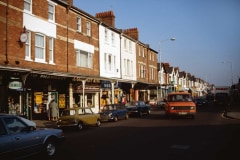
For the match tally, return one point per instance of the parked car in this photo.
(19, 138)
(138, 108)
(114, 112)
(200, 101)
(180, 104)
(78, 117)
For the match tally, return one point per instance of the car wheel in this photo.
(98, 124)
(126, 116)
(80, 126)
(115, 118)
(50, 147)
(148, 112)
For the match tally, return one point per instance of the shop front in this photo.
(111, 93)
(13, 92)
(86, 94)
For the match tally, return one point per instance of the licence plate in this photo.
(182, 113)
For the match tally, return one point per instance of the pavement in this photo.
(234, 113)
(45, 124)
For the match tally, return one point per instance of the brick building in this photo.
(50, 49)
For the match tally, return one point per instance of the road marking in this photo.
(178, 146)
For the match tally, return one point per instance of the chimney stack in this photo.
(107, 18)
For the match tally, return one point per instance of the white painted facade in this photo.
(128, 59)
(109, 53)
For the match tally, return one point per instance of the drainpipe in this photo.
(68, 8)
(6, 47)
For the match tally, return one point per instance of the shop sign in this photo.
(107, 84)
(15, 85)
(87, 89)
(61, 101)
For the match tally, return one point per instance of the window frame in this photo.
(89, 59)
(79, 24)
(88, 28)
(51, 12)
(29, 3)
(43, 48)
(28, 47)
(51, 50)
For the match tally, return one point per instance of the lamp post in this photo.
(159, 60)
(231, 66)
(171, 39)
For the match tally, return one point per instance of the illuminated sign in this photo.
(15, 85)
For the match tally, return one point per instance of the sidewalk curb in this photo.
(231, 115)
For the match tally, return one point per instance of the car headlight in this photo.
(192, 107)
(172, 108)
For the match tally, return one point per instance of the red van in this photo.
(180, 104)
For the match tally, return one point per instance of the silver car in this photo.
(19, 138)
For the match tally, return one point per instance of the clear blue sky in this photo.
(207, 32)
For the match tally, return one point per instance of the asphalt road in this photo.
(210, 137)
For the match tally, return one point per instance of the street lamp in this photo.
(171, 39)
(159, 60)
(231, 65)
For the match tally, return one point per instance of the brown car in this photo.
(78, 117)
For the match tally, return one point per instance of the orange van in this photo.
(180, 104)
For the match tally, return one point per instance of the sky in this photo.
(207, 32)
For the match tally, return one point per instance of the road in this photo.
(210, 136)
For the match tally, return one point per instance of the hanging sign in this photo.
(15, 85)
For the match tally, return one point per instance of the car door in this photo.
(6, 144)
(121, 111)
(24, 141)
(89, 117)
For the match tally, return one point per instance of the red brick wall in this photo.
(40, 9)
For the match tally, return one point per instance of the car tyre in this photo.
(80, 126)
(50, 148)
(115, 118)
(98, 124)
(148, 112)
(126, 116)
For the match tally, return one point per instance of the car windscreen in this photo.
(179, 98)
(109, 107)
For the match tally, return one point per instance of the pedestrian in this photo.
(53, 110)
(49, 112)
(227, 103)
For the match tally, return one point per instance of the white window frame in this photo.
(28, 47)
(51, 50)
(87, 62)
(51, 13)
(79, 24)
(130, 46)
(109, 62)
(139, 51)
(106, 34)
(40, 49)
(88, 28)
(125, 44)
(105, 61)
(28, 5)
(113, 38)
